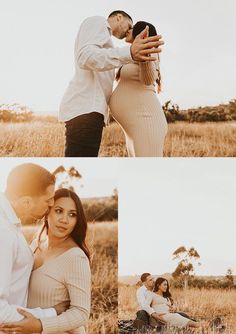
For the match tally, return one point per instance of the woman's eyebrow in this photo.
(70, 210)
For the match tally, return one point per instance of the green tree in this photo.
(229, 276)
(185, 267)
(67, 177)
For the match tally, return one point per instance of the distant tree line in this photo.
(101, 209)
(15, 113)
(222, 113)
(199, 283)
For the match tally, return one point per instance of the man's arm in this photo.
(91, 54)
(90, 48)
(145, 300)
(8, 253)
(145, 303)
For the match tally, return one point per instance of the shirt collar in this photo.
(7, 209)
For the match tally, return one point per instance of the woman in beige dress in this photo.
(135, 106)
(162, 303)
(61, 270)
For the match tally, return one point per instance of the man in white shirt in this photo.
(29, 195)
(85, 102)
(145, 310)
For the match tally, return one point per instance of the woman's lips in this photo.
(61, 228)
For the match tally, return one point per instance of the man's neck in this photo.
(148, 288)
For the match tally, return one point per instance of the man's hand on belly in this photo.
(28, 325)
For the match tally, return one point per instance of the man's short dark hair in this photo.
(28, 180)
(122, 13)
(144, 276)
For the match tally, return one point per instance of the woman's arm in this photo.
(78, 283)
(148, 72)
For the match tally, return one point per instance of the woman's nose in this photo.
(64, 218)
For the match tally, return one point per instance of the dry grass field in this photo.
(42, 139)
(200, 304)
(102, 239)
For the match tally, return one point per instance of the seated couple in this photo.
(156, 306)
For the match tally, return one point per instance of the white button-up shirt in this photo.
(16, 262)
(142, 294)
(95, 61)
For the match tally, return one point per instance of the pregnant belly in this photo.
(129, 102)
(161, 308)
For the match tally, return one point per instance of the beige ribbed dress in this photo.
(162, 305)
(136, 108)
(66, 277)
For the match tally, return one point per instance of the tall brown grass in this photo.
(200, 304)
(102, 240)
(46, 139)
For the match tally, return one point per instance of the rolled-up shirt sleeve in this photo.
(91, 52)
(8, 253)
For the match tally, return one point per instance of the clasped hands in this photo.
(144, 47)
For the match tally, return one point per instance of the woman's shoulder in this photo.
(75, 260)
(75, 253)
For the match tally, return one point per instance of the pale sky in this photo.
(37, 41)
(168, 203)
(98, 178)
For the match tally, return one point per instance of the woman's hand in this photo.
(143, 46)
(28, 325)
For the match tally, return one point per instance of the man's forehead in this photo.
(50, 191)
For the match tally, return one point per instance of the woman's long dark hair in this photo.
(137, 29)
(166, 294)
(79, 232)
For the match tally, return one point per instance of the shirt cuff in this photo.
(125, 54)
(49, 312)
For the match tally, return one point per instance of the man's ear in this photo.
(119, 17)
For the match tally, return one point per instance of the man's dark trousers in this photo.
(83, 135)
(144, 316)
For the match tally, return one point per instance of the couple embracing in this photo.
(46, 287)
(157, 308)
(133, 104)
